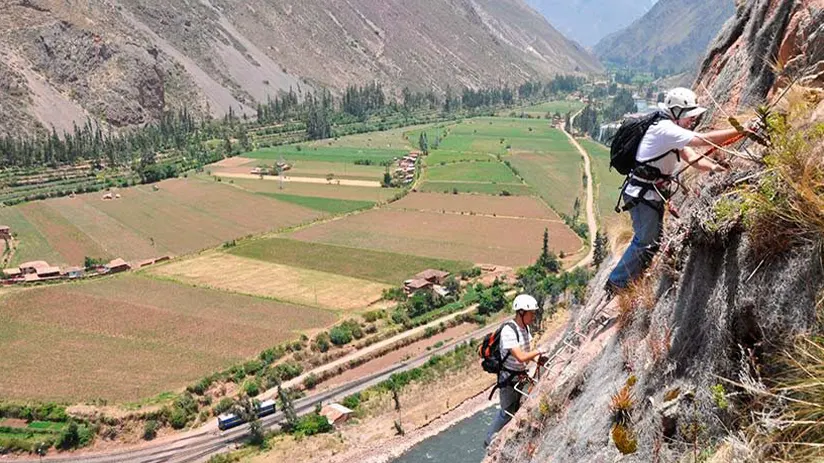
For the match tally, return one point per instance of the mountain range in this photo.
(125, 61)
(588, 21)
(672, 36)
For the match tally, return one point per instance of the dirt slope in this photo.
(125, 61)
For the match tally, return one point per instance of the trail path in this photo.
(591, 222)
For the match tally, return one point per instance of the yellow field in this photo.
(290, 284)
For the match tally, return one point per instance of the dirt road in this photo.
(592, 223)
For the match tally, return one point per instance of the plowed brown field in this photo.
(504, 206)
(480, 239)
(130, 337)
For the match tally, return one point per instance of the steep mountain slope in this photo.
(124, 61)
(588, 21)
(672, 36)
(715, 355)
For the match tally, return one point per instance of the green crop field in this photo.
(128, 337)
(608, 184)
(384, 267)
(482, 188)
(551, 107)
(404, 138)
(478, 172)
(326, 154)
(449, 156)
(334, 206)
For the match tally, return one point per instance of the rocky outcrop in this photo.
(766, 45)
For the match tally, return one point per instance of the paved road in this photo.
(592, 223)
(200, 444)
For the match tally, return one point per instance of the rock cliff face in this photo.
(766, 45)
(125, 61)
(682, 356)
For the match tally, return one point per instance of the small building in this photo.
(259, 171)
(415, 285)
(72, 273)
(108, 197)
(5, 232)
(116, 266)
(143, 263)
(162, 259)
(33, 267)
(336, 413)
(48, 272)
(433, 276)
(31, 278)
(440, 290)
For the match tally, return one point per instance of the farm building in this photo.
(336, 413)
(436, 277)
(415, 285)
(5, 232)
(162, 259)
(48, 272)
(116, 266)
(143, 263)
(440, 290)
(72, 272)
(33, 267)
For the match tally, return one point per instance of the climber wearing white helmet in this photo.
(515, 340)
(665, 144)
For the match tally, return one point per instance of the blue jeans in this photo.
(647, 224)
(511, 402)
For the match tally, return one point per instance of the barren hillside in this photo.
(125, 61)
(672, 36)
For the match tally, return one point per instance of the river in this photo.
(461, 443)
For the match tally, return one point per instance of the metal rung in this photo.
(510, 414)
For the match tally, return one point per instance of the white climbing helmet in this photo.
(525, 302)
(681, 103)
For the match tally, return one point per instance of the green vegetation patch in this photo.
(383, 267)
(482, 188)
(607, 184)
(335, 206)
(558, 178)
(327, 154)
(449, 156)
(483, 172)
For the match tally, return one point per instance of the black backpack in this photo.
(624, 145)
(490, 350)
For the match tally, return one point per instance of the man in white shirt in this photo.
(514, 345)
(665, 145)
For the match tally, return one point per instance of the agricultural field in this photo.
(128, 337)
(513, 206)
(350, 193)
(175, 217)
(479, 239)
(295, 153)
(365, 264)
(332, 206)
(480, 188)
(608, 184)
(551, 107)
(539, 153)
(394, 139)
(304, 168)
(260, 278)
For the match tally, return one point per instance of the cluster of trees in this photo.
(558, 85)
(473, 99)
(281, 108)
(362, 101)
